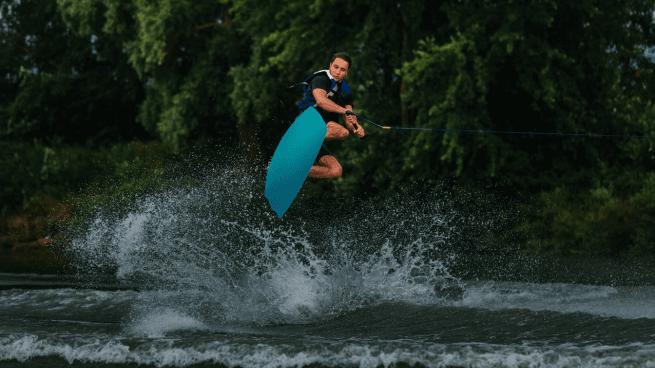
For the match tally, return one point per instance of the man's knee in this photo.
(336, 170)
(337, 131)
(333, 165)
(342, 132)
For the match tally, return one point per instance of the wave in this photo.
(361, 354)
(605, 301)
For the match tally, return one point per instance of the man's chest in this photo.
(339, 96)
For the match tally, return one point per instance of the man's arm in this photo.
(324, 102)
(351, 123)
(350, 119)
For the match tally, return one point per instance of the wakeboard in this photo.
(293, 159)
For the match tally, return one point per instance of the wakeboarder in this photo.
(331, 96)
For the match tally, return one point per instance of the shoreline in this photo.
(28, 257)
(35, 257)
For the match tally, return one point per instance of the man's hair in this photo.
(344, 56)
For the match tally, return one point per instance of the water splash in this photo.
(214, 252)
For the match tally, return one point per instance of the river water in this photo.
(206, 275)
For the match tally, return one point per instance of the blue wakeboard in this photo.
(293, 159)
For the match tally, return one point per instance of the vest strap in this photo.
(332, 94)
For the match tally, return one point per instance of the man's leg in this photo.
(328, 168)
(336, 131)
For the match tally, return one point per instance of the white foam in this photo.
(296, 292)
(622, 302)
(158, 323)
(23, 348)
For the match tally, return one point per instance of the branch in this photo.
(207, 25)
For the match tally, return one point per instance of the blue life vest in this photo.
(333, 94)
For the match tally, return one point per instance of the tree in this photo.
(182, 50)
(292, 39)
(527, 66)
(60, 88)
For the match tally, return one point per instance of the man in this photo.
(330, 95)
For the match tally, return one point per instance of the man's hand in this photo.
(351, 122)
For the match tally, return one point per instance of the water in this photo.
(206, 275)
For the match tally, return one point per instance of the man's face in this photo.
(339, 69)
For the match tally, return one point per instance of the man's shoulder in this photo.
(345, 87)
(321, 81)
(322, 74)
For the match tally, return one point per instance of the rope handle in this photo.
(348, 112)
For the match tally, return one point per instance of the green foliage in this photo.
(541, 67)
(135, 172)
(183, 71)
(28, 172)
(513, 66)
(598, 225)
(147, 26)
(459, 103)
(292, 39)
(56, 89)
(24, 116)
(104, 63)
(288, 43)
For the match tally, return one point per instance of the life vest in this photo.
(333, 94)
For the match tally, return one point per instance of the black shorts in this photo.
(323, 151)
